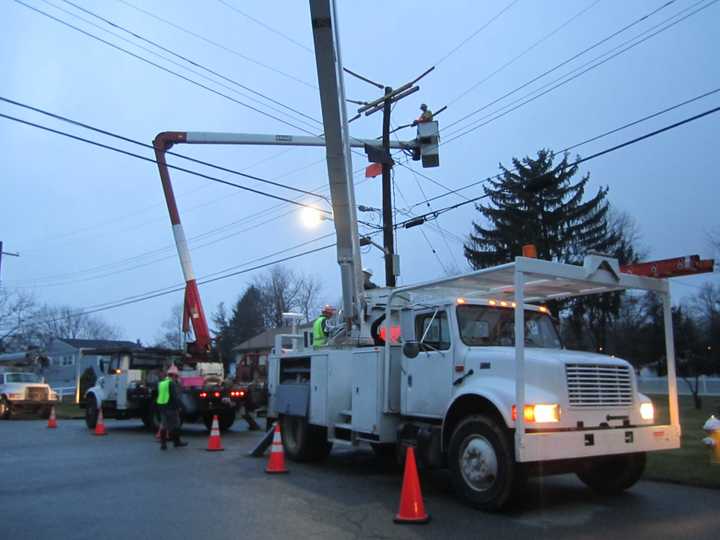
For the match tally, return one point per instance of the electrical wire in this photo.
(216, 44)
(523, 53)
(161, 67)
(266, 27)
(476, 124)
(180, 56)
(476, 32)
(565, 62)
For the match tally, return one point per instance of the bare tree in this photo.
(16, 312)
(309, 296)
(50, 322)
(171, 335)
(283, 290)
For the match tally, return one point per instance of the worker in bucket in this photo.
(425, 116)
(321, 327)
(168, 402)
(367, 279)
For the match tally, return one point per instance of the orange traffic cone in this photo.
(52, 422)
(214, 444)
(412, 509)
(276, 463)
(100, 425)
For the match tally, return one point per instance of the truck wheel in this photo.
(614, 474)
(482, 465)
(91, 412)
(225, 420)
(5, 409)
(303, 442)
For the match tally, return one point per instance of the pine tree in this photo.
(246, 321)
(556, 218)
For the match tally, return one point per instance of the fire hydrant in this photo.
(712, 427)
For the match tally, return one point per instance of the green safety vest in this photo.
(163, 392)
(319, 337)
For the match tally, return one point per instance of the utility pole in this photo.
(388, 233)
(5, 253)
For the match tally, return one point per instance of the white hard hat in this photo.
(172, 370)
(367, 271)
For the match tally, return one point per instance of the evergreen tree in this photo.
(245, 321)
(555, 218)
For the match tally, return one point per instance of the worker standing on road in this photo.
(168, 401)
(321, 328)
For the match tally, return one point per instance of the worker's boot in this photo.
(176, 440)
(163, 439)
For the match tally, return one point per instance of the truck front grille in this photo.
(598, 385)
(36, 393)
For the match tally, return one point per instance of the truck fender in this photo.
(94, 393)
(472, 401)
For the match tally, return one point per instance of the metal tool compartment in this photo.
(368, 419)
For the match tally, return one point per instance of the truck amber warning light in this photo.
(540, 414)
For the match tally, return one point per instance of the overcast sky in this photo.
(92, 227)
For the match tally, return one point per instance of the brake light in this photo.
(216, 394)
(203, 395)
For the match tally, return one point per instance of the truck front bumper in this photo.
(548, 446)
(33, 402)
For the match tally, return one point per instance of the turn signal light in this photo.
(539, 414)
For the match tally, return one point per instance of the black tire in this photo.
(225, 420)
(91, 412)
(303, 442)
(614, 474)
(385, 450)
(45, 412)
(5, 409)
(148, 420)
(482, 463)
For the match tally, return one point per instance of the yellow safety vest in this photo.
(163, 392)
(319, 337)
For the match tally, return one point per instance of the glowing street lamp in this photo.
(312, 217)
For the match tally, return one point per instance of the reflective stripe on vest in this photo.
(163, 392)
(319, 337)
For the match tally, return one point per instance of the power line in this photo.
(586, 141)
(476, 32)
(433, 214)
(151, 147)
(184, 58)
(476, 124)
(175, 167)
(523, 53)
(161, 67)
(216, 44)
(558, 66)
(266, 27)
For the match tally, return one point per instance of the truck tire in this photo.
(5, 409)
(303, 442)
(613, 475)
(225, 420)
(482, 463)
(91, 412)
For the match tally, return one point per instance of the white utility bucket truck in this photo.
(470, 369)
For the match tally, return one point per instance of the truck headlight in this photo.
(647, 411)
(15, 396)
(540, 414)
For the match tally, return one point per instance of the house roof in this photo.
(99, 343)
(266, 340)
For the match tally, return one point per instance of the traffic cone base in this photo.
(412, 509)
(100, 425)
(52, 421)
(276, 463)
(214, 443)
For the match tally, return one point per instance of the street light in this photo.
(312, 217)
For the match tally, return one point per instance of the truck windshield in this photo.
(495, 326)
(22, 378)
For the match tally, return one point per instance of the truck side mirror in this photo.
(103, 366)
(411, 349)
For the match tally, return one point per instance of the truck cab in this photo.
(25, 391)
(473, 374)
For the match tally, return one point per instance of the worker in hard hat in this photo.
(321, 327)
(367, 279)
(425, 116)
(168, 401)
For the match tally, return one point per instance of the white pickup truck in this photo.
(476, 378)
(25, 391)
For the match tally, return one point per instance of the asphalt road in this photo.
(66, 483)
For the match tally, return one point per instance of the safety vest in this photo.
(163, 392)
(319, 337)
